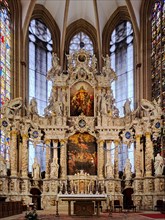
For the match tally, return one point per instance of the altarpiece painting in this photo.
(82, 154)
(81, 99)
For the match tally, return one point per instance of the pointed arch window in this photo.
(81, 40)
(121, 53)
(122, 61)
(40, 61)
(5, 67)
(40, 55)
(158, 50)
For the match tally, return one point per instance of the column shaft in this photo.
(100, 159)
(24, 155)
(13, 153)
(138, 157)
(148, 155)
(47, 174)
(63, 159)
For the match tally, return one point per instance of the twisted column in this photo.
(24, 155)
(148, 154)
(47, 174)
(138, 156)
(13, 153)
(63, 158)
(100, 157)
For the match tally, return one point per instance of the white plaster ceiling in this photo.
(85, 9)
(96, 12)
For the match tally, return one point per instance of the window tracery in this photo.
(81, 40)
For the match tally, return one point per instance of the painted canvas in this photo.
(82, 154)
(81, 99)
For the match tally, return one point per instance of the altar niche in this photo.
(82, 99)
(82, 154)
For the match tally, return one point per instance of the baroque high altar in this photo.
(77, 130)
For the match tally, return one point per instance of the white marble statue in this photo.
(159, 165)
(94, 62)
(54, 168)
(127, 169)
(36, 170)
(103, 103)
(55, 60)
(32, 107)
(56, 68)
(107, 61)
(127, 108)
(99, 97)
(3, 167)
(109, 170)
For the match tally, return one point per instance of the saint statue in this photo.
(32, 108)
(55, 60)
(107, 61)
(103, 103)
(36, 174)
(159, 165)
(127, 108)
(54, 168)
(127, 169)
(109, 170)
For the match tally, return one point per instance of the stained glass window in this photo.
(5, 67)
(158, 50)
(40, 56)
(81, 40)
(121, 53)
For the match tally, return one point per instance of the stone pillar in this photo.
(116, 160)
(13, 153)
(138, 157)
(55, 145)
(100, 159)
(24, 155)
(47, 174)
(108, 152)
(148, 155)
(63, 158)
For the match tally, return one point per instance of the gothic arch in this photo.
(78, 26)
(41, 12)
(121, 14)
(146, 47)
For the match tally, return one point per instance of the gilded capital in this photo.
(47, 141)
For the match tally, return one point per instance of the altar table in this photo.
(80, 197)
